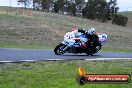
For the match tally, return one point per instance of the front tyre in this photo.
(58, 49)
(98, 48)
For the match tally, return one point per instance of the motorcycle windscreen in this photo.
(103, 38)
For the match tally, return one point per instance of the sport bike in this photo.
(73, 44)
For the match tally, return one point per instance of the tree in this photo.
(59, 5)
(45, 4)
(92, 9)
(120, 20)
(113, 7)
(71, 8)
(100, 10)
(42, 4)
(26, 3)
(84, 12)
(80, 4)
(36, 4)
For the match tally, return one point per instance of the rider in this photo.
(92, 38)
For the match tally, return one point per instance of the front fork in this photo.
(65, 47)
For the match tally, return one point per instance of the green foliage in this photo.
(89, 11)
(26, 3)
(42, 4)
(71, 8)
(59, 5)
(100, 9)
(45, 4)
(60, 74)
(36, 4)
(113, 7)
(80, 5)
(120, 20)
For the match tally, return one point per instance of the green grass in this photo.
(25, 46)
(44, 30)
(115, 50)
(31, 46)
(60, 74)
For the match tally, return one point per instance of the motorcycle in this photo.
(73, 44)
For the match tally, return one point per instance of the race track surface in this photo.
(7, 54)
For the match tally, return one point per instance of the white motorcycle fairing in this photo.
(70, 39)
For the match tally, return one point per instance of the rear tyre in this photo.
(58, 50)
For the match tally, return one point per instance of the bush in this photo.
(120, 20)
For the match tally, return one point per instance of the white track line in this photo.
(97, 59)
(6, 61)
(94, 59)
(27, 60)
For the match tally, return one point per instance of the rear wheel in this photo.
(58, 49)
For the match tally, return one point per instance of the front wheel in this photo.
(58, 49)
(92, 52)
(98, 48)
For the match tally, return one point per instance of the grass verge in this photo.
(115, 50)
(25, 46)
(60, 74)
(33, 46)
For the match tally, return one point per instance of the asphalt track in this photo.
(7, 54)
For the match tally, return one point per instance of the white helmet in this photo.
(91, 31)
